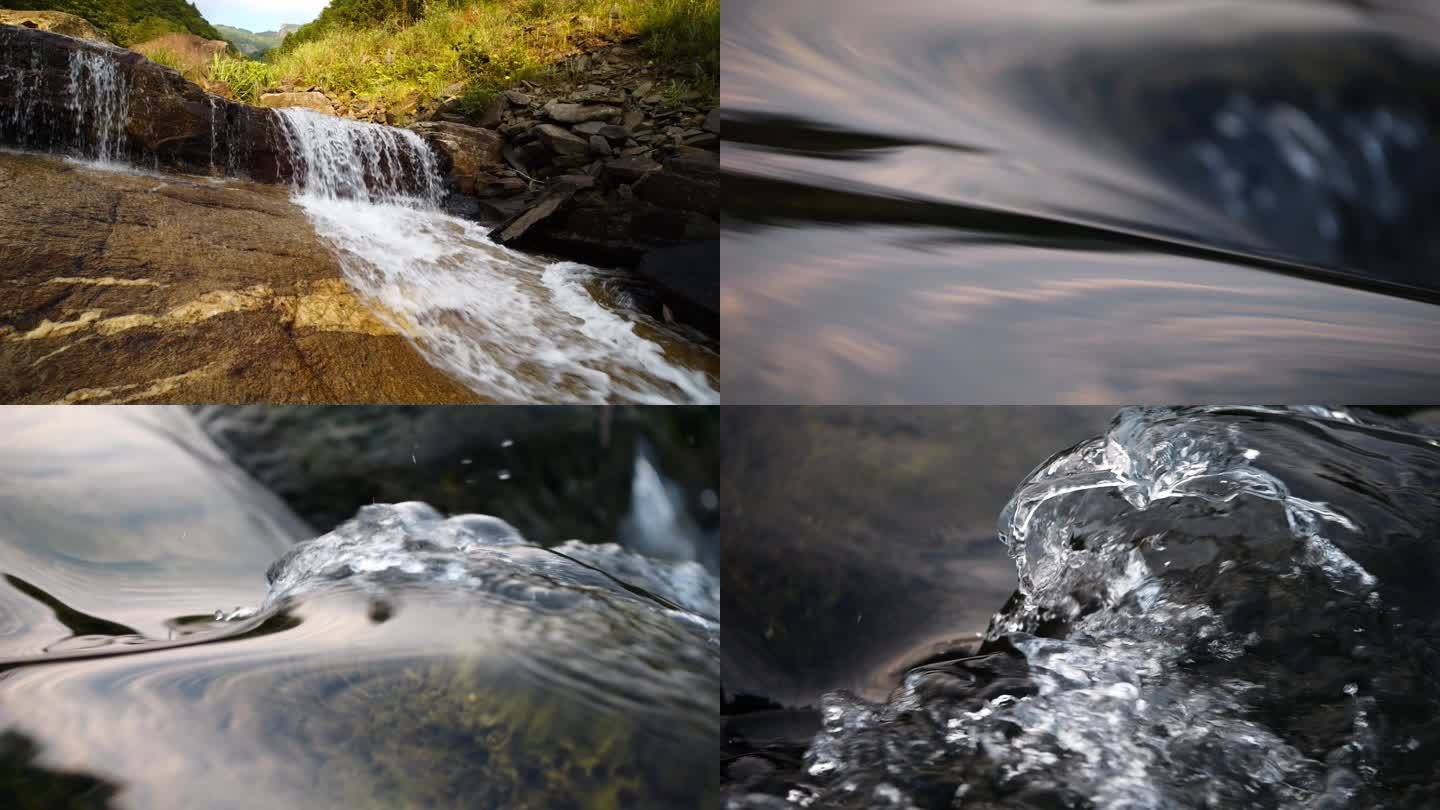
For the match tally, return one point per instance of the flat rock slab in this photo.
(310, 101)
(138, 288)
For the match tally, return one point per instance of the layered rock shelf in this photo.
(122, 287)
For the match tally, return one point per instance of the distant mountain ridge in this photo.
(129, 21)
(254, 43)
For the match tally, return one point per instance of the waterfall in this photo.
(100, 102)
(658, 523)
(82, 111)
(338, 158)
(510, 327)
(27, 93)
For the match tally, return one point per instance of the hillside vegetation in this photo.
(250, 43)
(128, 22)
(391, 50)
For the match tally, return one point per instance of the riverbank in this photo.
(506, 325)
(156, 288)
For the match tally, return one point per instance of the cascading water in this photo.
(658, 523)
(336, 158)
(100, 99)
(83, 114)
(509, 326)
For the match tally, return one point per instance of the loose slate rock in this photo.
(564, 113)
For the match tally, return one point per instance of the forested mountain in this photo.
(252, 43)
(129, 21)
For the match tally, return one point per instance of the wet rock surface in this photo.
(651, 163)
(100, 101)
(125, 287)
(1216, 607)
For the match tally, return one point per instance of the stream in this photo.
(510, 326)
(1080, 201)
(173, 634)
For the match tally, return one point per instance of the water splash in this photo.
(412, 545)
(1217, 607)
(336, 158)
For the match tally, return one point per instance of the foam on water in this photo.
(508, 325)
(337, 158)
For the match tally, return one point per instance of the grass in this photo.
(485, 47)
(246, 77)
(166, 57)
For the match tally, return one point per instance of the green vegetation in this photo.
(246, 78)
(391, 50)
(250, 43)
(166, 57)
(129, 22)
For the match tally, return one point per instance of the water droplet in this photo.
(508, 443)
(503, 475)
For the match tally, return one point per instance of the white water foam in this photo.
(508, 325)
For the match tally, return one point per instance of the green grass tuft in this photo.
(166, 57)
(246, 77)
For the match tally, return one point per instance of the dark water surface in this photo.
(159, 648)
(1080, 201)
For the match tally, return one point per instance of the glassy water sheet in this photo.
(173, 636)
(1080, 201)
(1210, 607)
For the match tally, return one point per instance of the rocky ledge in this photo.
(600, 165)
(156, 288)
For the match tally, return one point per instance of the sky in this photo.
(260, 15)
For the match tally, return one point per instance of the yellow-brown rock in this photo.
(57, 21)
(140, 288)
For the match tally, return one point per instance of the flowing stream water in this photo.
(1213, 607)
(177, 638)
(508, 325)
(1081, 201)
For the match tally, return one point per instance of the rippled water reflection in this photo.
(410, 662)
(1080, 201)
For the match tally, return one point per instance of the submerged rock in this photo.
(1216, 607)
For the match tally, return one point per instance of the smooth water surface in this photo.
(1080, 201)
(172, 637)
